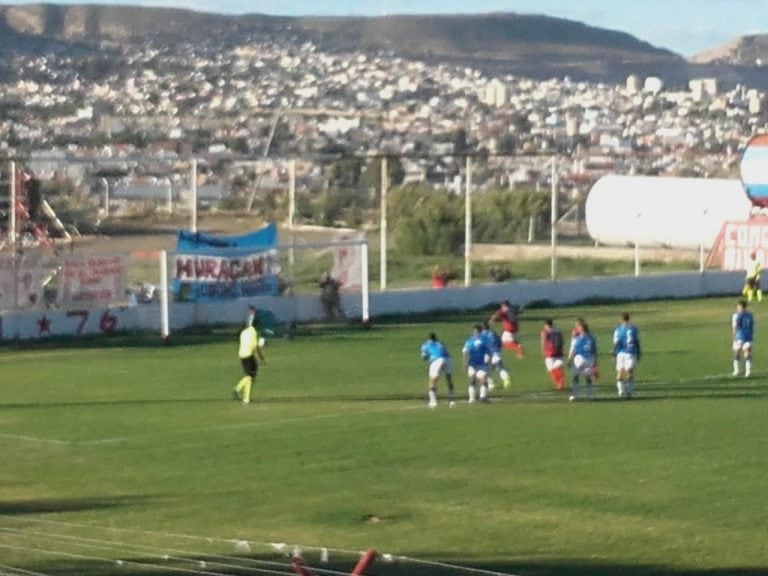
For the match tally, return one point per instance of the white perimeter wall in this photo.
(51, 323)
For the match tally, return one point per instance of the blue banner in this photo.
(208, 268)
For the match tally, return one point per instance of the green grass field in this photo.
(130, 458)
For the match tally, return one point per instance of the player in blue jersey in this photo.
(626, 350)
(743, 328)
(582, 356)
(440, 363)
(495, 360)
(475, 352)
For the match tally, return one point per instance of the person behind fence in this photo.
(250, 353)
(500, 274)
(330, 296)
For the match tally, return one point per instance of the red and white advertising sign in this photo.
(21, 282)
(737, 241)
(91, 281)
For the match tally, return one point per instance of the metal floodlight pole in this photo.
(193, 194)
(169, 195)
(553, 221)
(105, 183)
(383, 224)
(468, 225)
(291, 208)
(12, 223)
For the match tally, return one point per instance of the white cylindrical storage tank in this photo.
(660, 211)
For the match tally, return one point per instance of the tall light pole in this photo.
(383, 224)
(193, 194)
(553, 221)
(12, 227)
(468, 224)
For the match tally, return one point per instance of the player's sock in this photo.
(589, 388)
(559, 376)
(241, 385)
(472, 392)
(432, 396)
(504, 377)
(575, 387)
(484, 391)
(490, 383)
(629, 387)
(747, 368)
(247, 390)
(620, 388)
(759, 295)
(735, 367)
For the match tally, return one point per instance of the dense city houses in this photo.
(293, 100)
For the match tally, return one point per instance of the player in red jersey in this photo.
(507, 315)
(552, 351)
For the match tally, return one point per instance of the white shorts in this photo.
(741, 346)
(583, 366)
(494, 359)
(479, 372)
(553, 363)
(439, 367)
(508, 337)
(625, 362)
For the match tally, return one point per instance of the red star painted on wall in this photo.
(44, 325)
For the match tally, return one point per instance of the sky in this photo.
(684, 26)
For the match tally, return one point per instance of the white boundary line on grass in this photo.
(256, 424)
(35, 439)
(280, 547)
(18, 571)
(543, 395)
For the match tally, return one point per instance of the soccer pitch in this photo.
(130, 458)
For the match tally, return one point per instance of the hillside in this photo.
(531, 46)
(743, 51)
(536, 46)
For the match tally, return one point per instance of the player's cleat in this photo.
(735, 373)
(506, 383)
(571, 398)
(432, 405)
(491, 385)
(451, 404)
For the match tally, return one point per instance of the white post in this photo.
(366, 312)
(169, 195)
(291, 209)
(193, 194)
(383, 225)
(702, 263)
(12, 223)
(165, 330)
(468, 225)
(637, 245)
(553, 221)
(105, 182)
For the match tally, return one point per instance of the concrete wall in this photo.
(50, 323)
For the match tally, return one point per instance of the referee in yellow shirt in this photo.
(251, 354)
(752, 280)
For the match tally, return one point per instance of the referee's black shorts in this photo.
(250, 366)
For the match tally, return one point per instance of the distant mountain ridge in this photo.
(751, 50)
(526, 45)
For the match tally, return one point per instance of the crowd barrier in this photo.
(41, 324)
